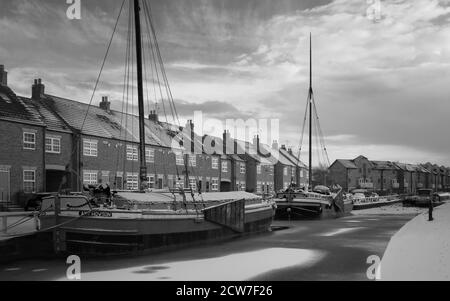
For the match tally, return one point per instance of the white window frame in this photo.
(179, 183)
(33, 181)
(258, 169)
(90, 177)
(192, 160)
(214, 163)
(285, 171)
(151, 181)
(214, 185)
(90, 148)
(179, 160)
(149, 155)
(193, 184)
(28, 144)
(132, 152)
(132, 181)
(54, 145)
(242, 168)
(224, 166)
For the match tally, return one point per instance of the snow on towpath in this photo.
(421, 249)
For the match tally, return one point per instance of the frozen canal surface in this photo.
(297, 250)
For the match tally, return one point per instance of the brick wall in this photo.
(16, 159)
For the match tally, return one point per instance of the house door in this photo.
(4, 185)
(119, 183)
(160, 183)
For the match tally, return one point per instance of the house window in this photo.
(29, 180)
(29, 141)
(132, 181)
(258, 169)
(285, 171)
(192, 160)
(293, 173)
(90, 177)
(224, 166)
(214, 184)
(151, 181)
(179, 158)
(90, 148)
(259, 187)
(242, 186)
(53, 145)
(132, 153)
(180, 182)
(193, 184)
(215, 163)
(149, 155)
(242, 168)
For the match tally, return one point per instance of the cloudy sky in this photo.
(381, 81)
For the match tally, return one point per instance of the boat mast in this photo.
(142, 163)
(310, 96)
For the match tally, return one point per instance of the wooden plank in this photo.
(230, 215)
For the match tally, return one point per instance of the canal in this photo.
(295, 250)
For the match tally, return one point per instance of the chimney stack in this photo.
(290, 151)
(283, 147)
(275, 144)
(105, 104)
(228, 145)
(256, 143)
(153, 116)
(190, 127)
(3, 76)
(37, 89)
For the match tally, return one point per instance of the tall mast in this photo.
(142, 163)
(310, 96)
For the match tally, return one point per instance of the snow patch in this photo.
(341, 231)
(421, 249)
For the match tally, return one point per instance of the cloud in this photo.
(379, 86)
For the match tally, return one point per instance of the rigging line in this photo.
(157, 75)
(103, 65)
(127, 53)
(149, 31)
(154, 61)
(303, 130)
(131, 27)
(321, 133)
(161, 61)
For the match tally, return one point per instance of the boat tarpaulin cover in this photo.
(207, 196)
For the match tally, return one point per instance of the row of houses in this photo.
(49, 143)
(387, 176)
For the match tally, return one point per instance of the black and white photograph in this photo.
(224, 146)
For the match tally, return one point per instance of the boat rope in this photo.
(52, 227)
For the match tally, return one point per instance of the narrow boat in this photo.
(373, 202)
(130, 222)
(319, 202)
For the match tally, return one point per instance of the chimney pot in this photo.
(3, 76)
(105, 104)
(38, 89)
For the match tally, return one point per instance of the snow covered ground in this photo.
(390, 209)
(421, 249)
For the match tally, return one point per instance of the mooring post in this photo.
(56, 231)
(430, 210)
(4, 224)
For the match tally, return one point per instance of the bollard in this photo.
(5, 224)
(430, 210)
